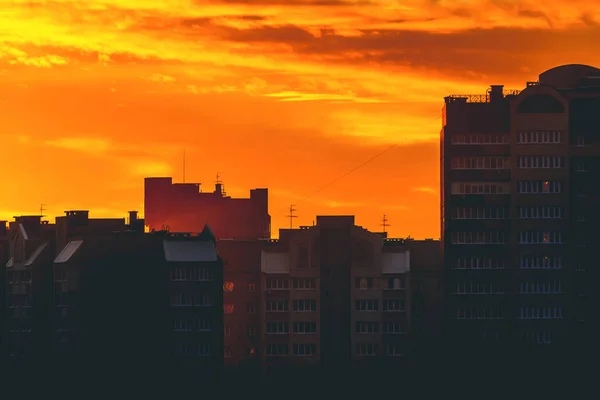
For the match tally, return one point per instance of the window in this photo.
(366, 305)
(526, 162)
(227, 329)
(304, 284)
(394, 283)
(539, 137)
(479, 162)
(228, 286)
(277, 350)
(394, 350)
(485, 237)
(251, 308)
(367, 327)
(305, 349)
(473, 188)
(540, 212)
(277, 328)
(394, 305)
(228, 308)
(204, 350)
(182, 325)
(479, 139)
(276, 305)
(251, 331)
(252, 287)
(541, 313)
(393, 328)
(366, 349)
(191, 274)
(479, 213)
(580, 166)
(539, 187)
(537, 237)
(203, 325)
(552, 287)
(364, 283)
(541, 262)
(277, 284)
(227, 351)
(580, 140)
(303, 305)
(479, 313)
(478, 263)
(306, 328)
(475, 287)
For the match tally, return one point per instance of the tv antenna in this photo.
(184, 165)
(42, 209)
(218, 179)
(384, 222)
(291, 215)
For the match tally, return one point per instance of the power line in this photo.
(339, 178)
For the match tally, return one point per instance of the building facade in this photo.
(183, 207)
(241, 300)
(162, 291)
(334, 295)
(519, 195)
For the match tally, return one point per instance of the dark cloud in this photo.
(498, 52)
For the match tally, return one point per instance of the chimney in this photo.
(496, 93)
(133, 216)
(219, 188)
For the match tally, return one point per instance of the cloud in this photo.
(424, 189)
(88, 145)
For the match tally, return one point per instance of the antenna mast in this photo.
(384, 223)
(291, 215)
(218, 180)
(42, 209)
(184, 165)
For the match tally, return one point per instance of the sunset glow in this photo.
(284, 94)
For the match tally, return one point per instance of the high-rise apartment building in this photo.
(334, 295)
(520, 188)
(183, 207)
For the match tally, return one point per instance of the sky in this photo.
(286, 94)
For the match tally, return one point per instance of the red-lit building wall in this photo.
(182, 207)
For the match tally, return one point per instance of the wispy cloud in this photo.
(90, 145)
(424, 189)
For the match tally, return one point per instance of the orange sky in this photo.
(284, 94)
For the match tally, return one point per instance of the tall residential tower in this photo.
(520, 185)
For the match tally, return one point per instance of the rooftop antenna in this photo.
(42, 209)
(184, 165)
(385, 222)
(218, 180)
(291, 215)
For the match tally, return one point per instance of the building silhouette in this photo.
(520, 184)
(163, 291)
(183, 207)
(335, 296)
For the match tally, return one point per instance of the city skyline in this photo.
(116, 90)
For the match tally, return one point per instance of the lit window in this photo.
(546, 237)
(252, 287)
(228, 286)
(546, 187)
(228, 308)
